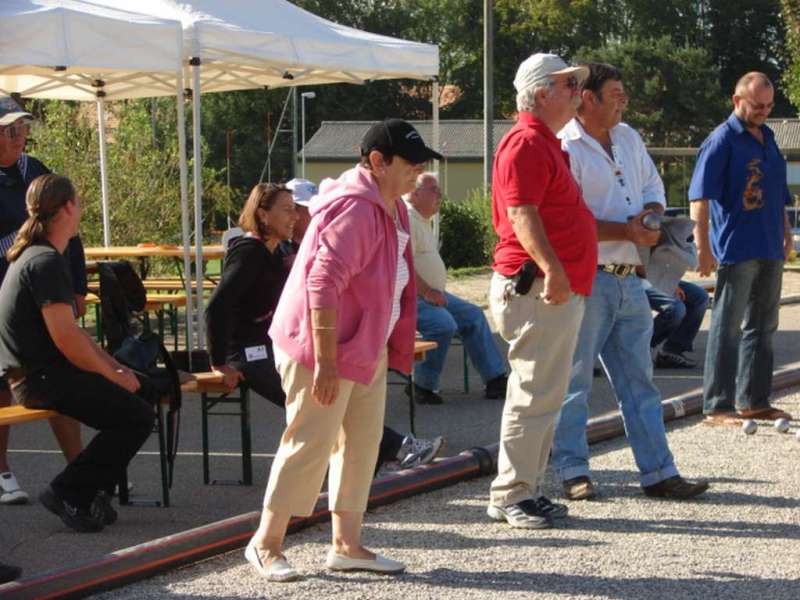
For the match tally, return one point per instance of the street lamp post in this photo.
(303, 96)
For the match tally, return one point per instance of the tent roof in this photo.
(244, 44)
(62, 48)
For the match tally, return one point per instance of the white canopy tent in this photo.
(227, 44)
(240, 44)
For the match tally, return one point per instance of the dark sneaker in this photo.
(673, 360)
(9, 573)
(579, 488)
(676, 488)
(101, 508)
(423, 395)
(496, 388)
(525, 515)
(554, 510)
(79, 519)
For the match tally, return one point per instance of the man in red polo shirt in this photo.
(544, 263)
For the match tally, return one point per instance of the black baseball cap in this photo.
(397, 137)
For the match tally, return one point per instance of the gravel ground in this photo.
(736, 542)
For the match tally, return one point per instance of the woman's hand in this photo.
(230, 375)
(125, 378)
(325, 387)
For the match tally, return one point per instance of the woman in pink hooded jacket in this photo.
(347, 313)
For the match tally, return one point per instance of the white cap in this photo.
(538, 67)
(302, 190)
(10, 111)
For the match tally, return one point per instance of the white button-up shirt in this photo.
(613, 188)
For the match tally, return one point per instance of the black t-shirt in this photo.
(39, 277)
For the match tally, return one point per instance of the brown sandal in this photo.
(769, 413)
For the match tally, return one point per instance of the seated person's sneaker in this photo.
(676, 488)
(496, 388)
(526, 514)
(9, 573)
(417, 451)
(423, 395)
(673, 360)
(10, 492)
(79, 519)
(579, 488)
(102, 509)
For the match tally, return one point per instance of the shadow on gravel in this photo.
(723, 529)
(714, 586)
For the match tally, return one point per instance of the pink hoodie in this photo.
(348, 261)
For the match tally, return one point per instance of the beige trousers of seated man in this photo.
(541, 340)
(345, 435)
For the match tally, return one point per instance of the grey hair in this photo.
(526, 99)
(420, 180)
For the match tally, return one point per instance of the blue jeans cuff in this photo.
(573, 472)
(658, 476)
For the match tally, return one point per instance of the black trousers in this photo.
(123, 421)
(263, 378)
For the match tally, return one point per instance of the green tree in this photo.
(790, 12)
(675, 94)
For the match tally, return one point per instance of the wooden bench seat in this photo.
(12, 415)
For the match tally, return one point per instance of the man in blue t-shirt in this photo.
(740, 180)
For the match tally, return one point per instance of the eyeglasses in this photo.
(16, 130)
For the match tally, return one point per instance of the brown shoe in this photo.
(722, 418)
(579, 488)
(676, 488)
(769, 413)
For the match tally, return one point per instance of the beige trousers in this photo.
(541, 340)
(345, 435)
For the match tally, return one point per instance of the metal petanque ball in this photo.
(651, 221)
(782, 425)
(749, 426)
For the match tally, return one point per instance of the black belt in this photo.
(618, 270)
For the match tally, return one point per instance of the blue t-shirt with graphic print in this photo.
(745, 183)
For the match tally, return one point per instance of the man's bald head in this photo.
(751, 82)
(753, 99)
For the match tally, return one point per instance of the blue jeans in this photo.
(440, 323)
(677, 322)
(739, 359)
(616, 325)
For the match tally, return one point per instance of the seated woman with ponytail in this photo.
(52, 363)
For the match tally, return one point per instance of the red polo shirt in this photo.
(531, 168)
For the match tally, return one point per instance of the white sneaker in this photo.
(379, 564)
(415, 451)
(10, 492)
(278, 570)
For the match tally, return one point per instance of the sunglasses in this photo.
(15, 131)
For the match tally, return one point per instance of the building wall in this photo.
(457, 179)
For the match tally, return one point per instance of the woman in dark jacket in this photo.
(240, 310)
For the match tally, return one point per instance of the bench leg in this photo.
(466, 368)
(411, 402)
(162, 455)
(204, 426)
(247, 457)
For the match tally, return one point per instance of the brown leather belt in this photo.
(618, 270)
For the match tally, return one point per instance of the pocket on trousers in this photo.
(501, 296)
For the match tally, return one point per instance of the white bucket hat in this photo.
(302, 190)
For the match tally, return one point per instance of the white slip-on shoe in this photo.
(10, 492)
(380, 564)
(278, 570)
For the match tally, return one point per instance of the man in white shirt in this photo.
(621, 186)
(441, 315)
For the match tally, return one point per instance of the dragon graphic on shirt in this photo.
(753, 196)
